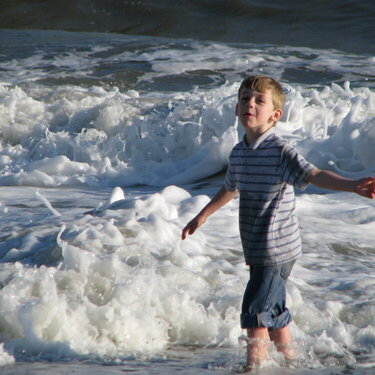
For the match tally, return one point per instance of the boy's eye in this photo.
(247, 98)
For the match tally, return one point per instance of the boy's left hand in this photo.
(366, 187)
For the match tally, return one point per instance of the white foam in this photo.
(126, 283)
(45, 201)
(111, 138)
(5, 358)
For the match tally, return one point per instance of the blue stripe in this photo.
(254, 241)
(250, 161)
(264, 225)
(241, 147)
(256, 215)
(257, 200)
(255, 203)
(287, 202)
(257, 174)
(258, 155)
(260, 183)
(251, 257)
(262, 200)
(256, 191)
(279, 246)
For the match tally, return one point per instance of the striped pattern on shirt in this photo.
(265, 175)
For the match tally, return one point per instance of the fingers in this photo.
(366, 187)
(189, 229)
(185, 232)
(367, 181)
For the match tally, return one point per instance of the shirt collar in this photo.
(254, 145)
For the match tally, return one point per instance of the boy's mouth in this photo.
(248, 114)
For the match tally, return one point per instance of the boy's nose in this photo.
(251, 102)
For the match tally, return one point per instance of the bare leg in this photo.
(257, 345)
(283, 340)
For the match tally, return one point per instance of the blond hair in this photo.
(263, 83)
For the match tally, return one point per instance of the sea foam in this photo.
(111, 138)
(124, 284)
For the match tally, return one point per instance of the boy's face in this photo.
(256, 111)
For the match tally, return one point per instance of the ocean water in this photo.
(112, 140)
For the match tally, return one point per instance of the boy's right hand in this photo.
(222, 197)
(192, 226)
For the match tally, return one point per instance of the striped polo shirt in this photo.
(265, 174)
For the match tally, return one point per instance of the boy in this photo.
(263, 169)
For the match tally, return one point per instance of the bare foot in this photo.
(289, 350)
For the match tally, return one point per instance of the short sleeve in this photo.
(229, 182)
(295, 169)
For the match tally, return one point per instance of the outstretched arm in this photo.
(222, 197)
(332, 181)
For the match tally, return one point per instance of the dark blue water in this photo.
(340, 24)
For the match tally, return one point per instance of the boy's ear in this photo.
(236, 109)
(277, 113)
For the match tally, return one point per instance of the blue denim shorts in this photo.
(264, 299)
